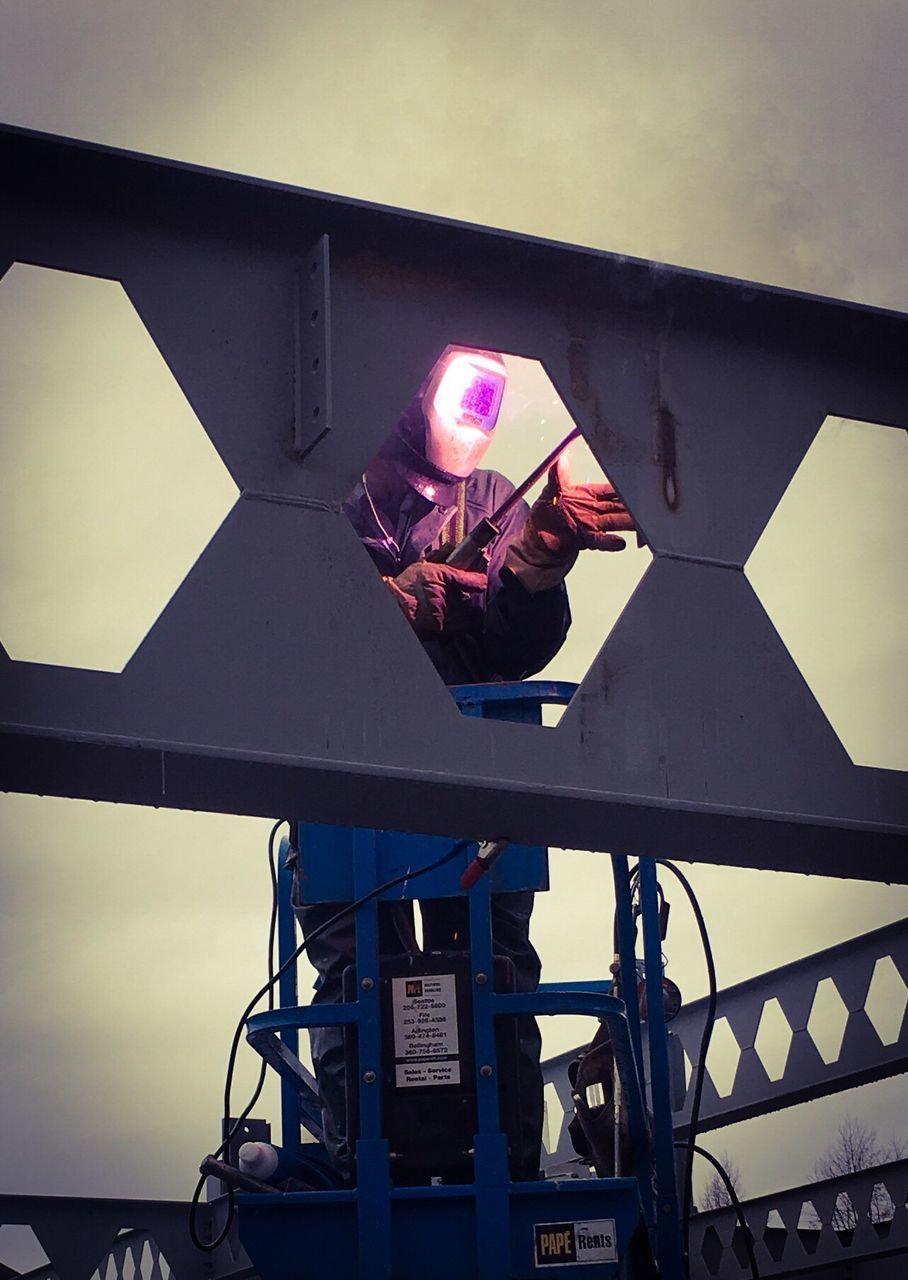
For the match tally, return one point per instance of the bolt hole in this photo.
(315, 364)
(314, 317)
(315, 412)
(313, 267)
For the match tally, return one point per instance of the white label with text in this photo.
(574, 1244)
(425, 1017)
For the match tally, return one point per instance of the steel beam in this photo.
(281, 679)
(81, 1233)
(860, 1057)
(813, 1229)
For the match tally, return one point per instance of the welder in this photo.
(503, 619)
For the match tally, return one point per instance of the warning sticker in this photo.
(425, 1017)
(559, 1244)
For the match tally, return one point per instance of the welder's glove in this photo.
(437, 597)
(564, 521)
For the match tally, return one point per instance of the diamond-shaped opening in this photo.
(723, 1057)
(740, 1240)
(829, 569)
(809, 1227)
(881, 1209)
(775, 1235)
(886, 1000)
(554, 1118)
(20, 1248)
(773, 1039)
(479, 425)
(147, 1261)
(688, 1070)
(712, 1250)
(111, 488)
(827, 1021)
(844, 1218)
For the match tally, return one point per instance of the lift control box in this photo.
(429, 1065)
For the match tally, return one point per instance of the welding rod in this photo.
(468, 552)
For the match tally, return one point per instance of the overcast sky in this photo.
(764, 141)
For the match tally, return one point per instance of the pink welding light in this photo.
(469, 393)
(577, 465)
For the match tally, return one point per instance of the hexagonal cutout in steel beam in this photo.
(881, 1208)
(723, 1057)
(20, 1249)
(111, 487)
(554, 1115)
(887, 1000)
(479, 425)
(827, 1021)
(773, 1039)
(830, 572)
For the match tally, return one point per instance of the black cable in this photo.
(273, 977)
(736, 1205)
(616, 942)
(700, 1074)
(196, 1195)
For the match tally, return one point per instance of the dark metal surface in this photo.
(810, 1229)
(862, 1056)
(807, 1229)
(282, 679)
(312, 375)
(80, 1234)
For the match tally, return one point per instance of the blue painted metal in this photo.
(373, 1190)
(492, 1245)
(514, 702)
(326, 860)
(314, 1235)
(659, 1081)
(868, 1241)
(484, 1229)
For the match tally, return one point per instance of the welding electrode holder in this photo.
(488, 854)
(470, 552)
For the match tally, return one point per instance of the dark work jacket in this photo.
(511, 633)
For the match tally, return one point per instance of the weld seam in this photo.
(290, 500)
(688, 559)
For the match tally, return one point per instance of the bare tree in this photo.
(857, 1146)
(715, 1194)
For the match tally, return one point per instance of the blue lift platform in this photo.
(490, 1228)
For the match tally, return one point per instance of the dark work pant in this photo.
(445, 928)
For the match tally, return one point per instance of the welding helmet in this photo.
(461, 400)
